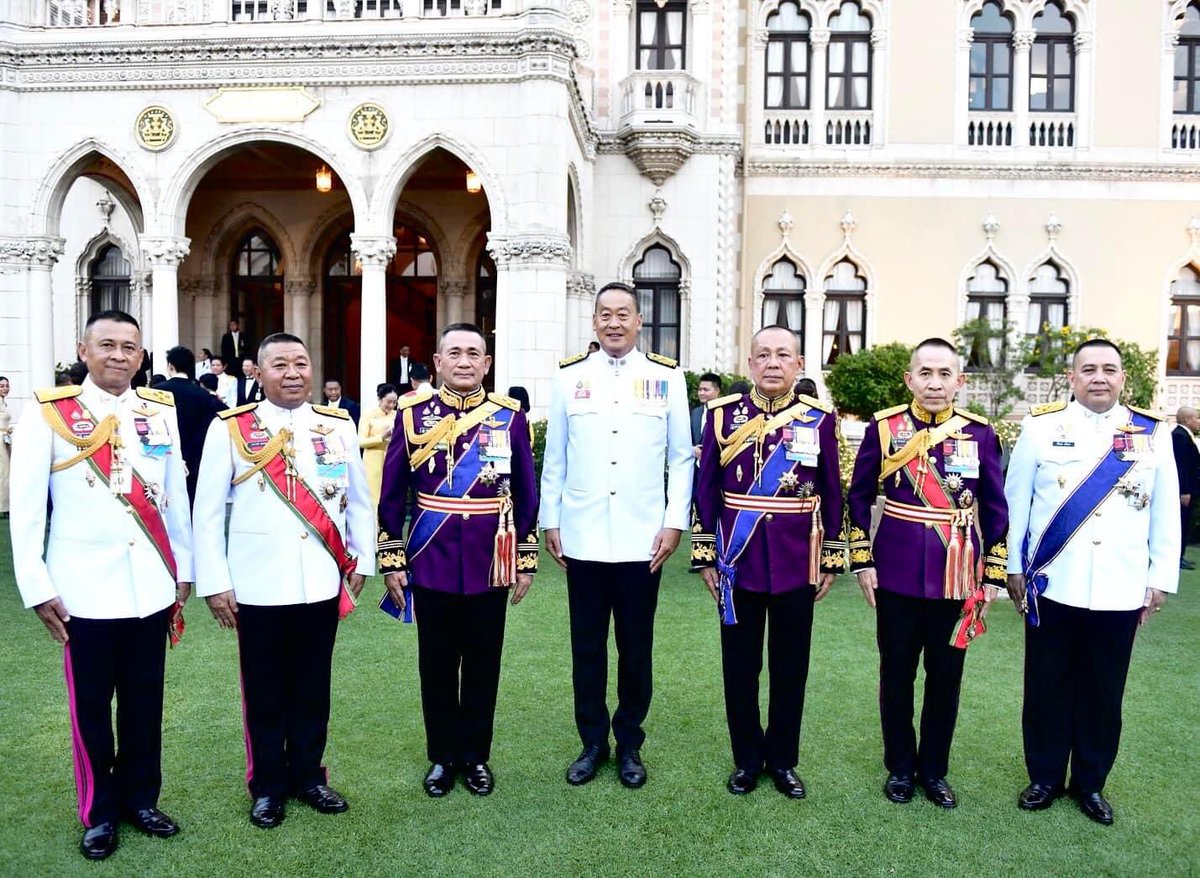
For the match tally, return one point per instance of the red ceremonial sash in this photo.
(299, 497)
(145, 513)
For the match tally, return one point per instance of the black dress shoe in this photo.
(439, 780)
(939, 792)
(585, 767)
(478, 779)
(788, 783)
(322, 798)
(1185, 564)
(1096, 807)
(742, 782)
(153, 822)
(898, 788)
(1037, 797)
(630, 768)
(267, 812)
(99, 841)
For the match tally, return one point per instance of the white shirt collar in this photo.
(96, 396)
(1117, 411)
(617, 362)
(272, 412)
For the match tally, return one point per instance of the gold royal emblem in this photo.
(155, 128)
(369, 126)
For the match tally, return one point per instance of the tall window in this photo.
(987, 301)
(1183, 343)
(849, 74)
(783, 299)
(656, 279)
(788, 57)
(1049, 291)
(256, 293)
(1187, 63)
(661, 34)
(843, 329)
(110, 273)
(1052, 64)
(991, 59)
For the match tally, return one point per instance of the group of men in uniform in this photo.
(457, 542)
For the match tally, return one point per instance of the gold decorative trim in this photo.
(155, 128)
(368, 126)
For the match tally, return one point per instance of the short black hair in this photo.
(712, 378)
(935, 341)
(77, 372)
(209, 381)
(3, 377)
(278, 338)
(207, 353)
(384, 389)
(739, 387)
(624, 288)
(216, 357)
(593, 346)
(332, 380)
(115, 316)
(182, 360)
(462, 327)
(521, 395)
(248, 359)
(1096, 342)
(418, 372)
(808, 387)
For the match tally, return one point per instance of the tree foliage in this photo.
(873, 379)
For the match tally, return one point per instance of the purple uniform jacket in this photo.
(458, 557)
(776, 556)
(910, 556)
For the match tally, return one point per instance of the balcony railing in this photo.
(1185, 134)
(786, 128)
(98, 13)
(990, 129)
(650, 97)
(1052, 130)
(849, 128)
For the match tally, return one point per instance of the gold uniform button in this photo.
(304, 536)
(770, 517)
(771, 447)
(928, 525)
(131, 542)
(932, 459)
(466, 516)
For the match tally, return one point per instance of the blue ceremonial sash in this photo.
(1070, 516)
(426, 523)
(730, 548)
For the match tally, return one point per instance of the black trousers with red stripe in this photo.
(126, 658)
(286, 656)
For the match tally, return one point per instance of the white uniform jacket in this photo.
(1130, 543)
(98, 559)
(616, 427)
(271, 558)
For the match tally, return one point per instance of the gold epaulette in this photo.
(54, 394)
(663, 361)
(571, 361)
(234, 412)
(413, 397)
(814, 403)
(332, 412)
(1154, 416)
(1046, 408)
(507, 401)
(162, 397)
(723, 400)
(971, 416)
(887, 413)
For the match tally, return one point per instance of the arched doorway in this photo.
(485, 307)
(412, 280)
(256, 288)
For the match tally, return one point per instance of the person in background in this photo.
(374, 436)
(593, 346)
(708, 389)
(740, 387)
(226, 383)
(5, 445)
(521, 395)
(195, 408)
(203, 364)
(210, 382)
(249, 388)
(234, 344)
(420, 377)
(334, 398)
(1187, 466)
(807, 387)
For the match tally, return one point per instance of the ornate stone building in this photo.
(363, 172)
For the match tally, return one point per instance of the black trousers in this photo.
(459, 642)
(286, 655)
(125, 657)
(905, 628)
(628, 592)
(791, 617)
(1076, 662)
(1185, 521)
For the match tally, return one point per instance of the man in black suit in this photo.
(400, 371)
(249, 388)
(195, 407)
(334, 399)
(709, 388)
(1187, 464)
(235, 345)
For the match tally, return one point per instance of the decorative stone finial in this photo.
(991, 225)
(786, 224)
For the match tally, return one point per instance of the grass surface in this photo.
(682, 823)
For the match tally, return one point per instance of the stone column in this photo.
(25, 310)
(297, 291)
(42, 254)
(374, 252)
(164, 253)
(581, 288)
(83, 298)
(817, 88)
(1022, 46)
(1083, 90)
(453, 292)
(204, 292)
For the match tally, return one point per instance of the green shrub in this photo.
(873, 379)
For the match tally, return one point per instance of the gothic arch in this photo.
(1006, 271)
(658, 236)
(811, 8)
(783, 251)
(236, 224)
(57, 180)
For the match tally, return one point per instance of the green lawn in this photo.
(682, 823)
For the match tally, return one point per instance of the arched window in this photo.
(849, 65)
(991, 59)
(788, 56)
(1049, 293)
(485, 294)
(110, 274)
(843, 329)
(987, 301)
(1183, 342)
(1187, 63)
(256, 290)
(656, 279)
(661, 34)
(1052, 63)
(783, 299)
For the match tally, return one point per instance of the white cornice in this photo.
(1188, 173)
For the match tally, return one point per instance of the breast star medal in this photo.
(488, 475)
(954, 482)
(965, 499)
(328, 490)
(788, 482)
(807, 489)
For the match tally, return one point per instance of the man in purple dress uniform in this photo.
(767, 489)
(466, 454)
(939, 467)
